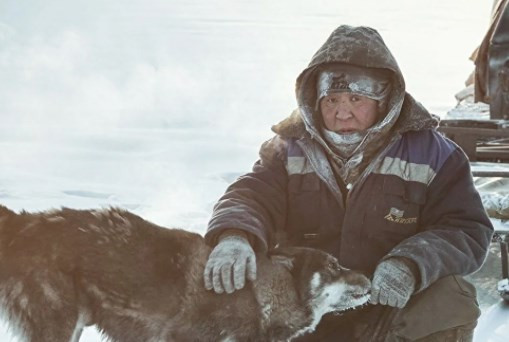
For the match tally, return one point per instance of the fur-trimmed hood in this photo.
(362, 47)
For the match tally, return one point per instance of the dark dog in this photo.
(65, 269)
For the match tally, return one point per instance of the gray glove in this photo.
(233, 254)
(393, 283)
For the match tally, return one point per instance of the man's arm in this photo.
(247, 215)
(256, 203)
(455, 230)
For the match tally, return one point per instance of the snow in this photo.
(495, 323)
(155, 105)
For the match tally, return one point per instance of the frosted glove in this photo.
(230, 262)
(393, 283)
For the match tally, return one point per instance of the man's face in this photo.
(348, 112)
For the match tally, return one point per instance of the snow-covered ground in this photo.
(156, 105)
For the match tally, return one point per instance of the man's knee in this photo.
(447, 308)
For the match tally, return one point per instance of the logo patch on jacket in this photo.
(396, 215)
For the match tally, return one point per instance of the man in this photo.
(358, 170)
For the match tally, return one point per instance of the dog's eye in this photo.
(334, 266)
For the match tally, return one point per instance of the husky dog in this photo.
(66, 269)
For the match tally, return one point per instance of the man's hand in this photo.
(229, 263)
(393, 283)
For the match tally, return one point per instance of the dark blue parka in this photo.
(411, 196)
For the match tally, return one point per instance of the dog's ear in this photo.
(283, 260)
(292, 258)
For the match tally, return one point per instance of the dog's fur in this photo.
(65, 269)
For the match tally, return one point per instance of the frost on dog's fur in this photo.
(332, 288)
(65, 269)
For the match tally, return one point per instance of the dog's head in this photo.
(322, 284)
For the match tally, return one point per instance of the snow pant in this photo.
(447, 311)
